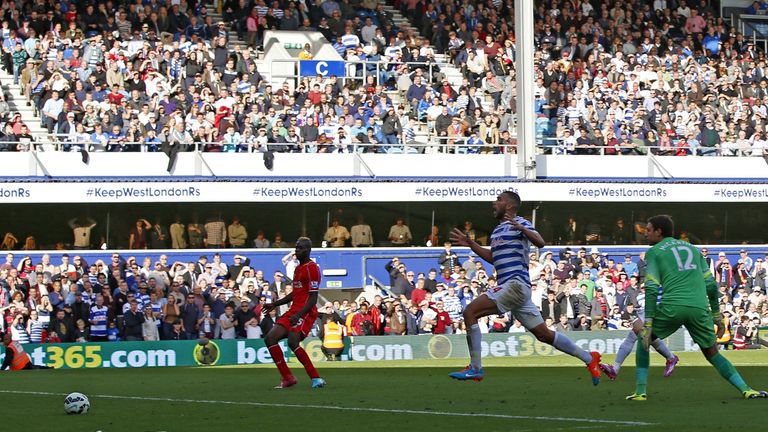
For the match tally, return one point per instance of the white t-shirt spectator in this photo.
(228, 102)
(149, 329)
(253, 331)
(226, 333)
(434, 111)
(573, 113)
(759, 146)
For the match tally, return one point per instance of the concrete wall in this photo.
(378, 165)
(240, 164)
(651, 167)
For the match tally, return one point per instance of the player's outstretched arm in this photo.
(461, 239)
(283, 300)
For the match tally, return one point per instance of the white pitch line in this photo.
(353, 409)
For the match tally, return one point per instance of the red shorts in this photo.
(304, 326)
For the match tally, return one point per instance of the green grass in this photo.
(168, 399)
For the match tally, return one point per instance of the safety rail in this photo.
(752, 26)
(432, 146)
(557, 146)
(429, 143)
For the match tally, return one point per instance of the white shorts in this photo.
(516, 298)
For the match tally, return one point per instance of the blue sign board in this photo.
(321, 67)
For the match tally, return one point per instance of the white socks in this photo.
(474, 339)
(662, 348)
(567, 346)
(624, 350)
(629, 343)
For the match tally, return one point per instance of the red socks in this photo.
(277, 356)
(304, 359)
(282, 366)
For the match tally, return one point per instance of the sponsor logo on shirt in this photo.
(495, 243)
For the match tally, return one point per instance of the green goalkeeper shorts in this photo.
(697, 321)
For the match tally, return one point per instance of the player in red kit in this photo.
(297, 322)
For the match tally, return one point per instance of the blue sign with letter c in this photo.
(321, 67)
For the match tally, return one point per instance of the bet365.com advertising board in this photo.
(360, 348)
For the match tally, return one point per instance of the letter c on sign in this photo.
(322, 68)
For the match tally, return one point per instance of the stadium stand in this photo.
(588, 287)
(613, 78)
(622, 77)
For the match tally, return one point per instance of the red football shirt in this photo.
(306, 279)
(116, 98)
(443, 321)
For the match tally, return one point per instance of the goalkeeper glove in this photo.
(645, 334)
(717, 318)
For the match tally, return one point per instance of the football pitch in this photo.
(518, 394)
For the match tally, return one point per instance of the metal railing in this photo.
(425, 143)
(753, 25)
(556, 146)
(434, 145)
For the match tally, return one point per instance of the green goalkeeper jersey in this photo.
(679, 275)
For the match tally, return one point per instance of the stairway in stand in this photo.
(18, 103)
(446, 66)
(234, 41)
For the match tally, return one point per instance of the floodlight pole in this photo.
(526, 120)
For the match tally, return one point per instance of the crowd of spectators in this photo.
(165, 76)
(119, 298)
(612, 77)
(150, 298)
(580, 290)
(668, 76)
(672, 77)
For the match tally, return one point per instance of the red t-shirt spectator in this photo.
(357, 323)
(314, 96)
(443, 321)
(418, 295)
(115, 97)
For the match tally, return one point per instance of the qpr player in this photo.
(510, 246)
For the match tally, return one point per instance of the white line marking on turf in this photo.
(573, 428)
(341, 408)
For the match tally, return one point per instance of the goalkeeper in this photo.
(679, 274)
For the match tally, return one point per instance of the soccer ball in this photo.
(76, 403)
